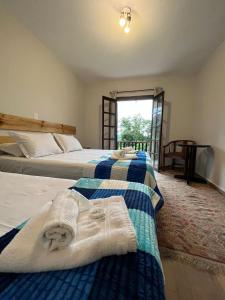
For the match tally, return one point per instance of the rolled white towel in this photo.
(96, 237)
(60, 227)
(118, 154)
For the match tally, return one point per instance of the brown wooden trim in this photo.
(6, 139)
(115, 129)
(103, 120)
(161, 128)
(111, 125)
(156, 142)
(137, 145)
(179, 141)
(11, 122)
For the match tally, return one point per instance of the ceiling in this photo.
(167, 36)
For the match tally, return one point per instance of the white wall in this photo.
(209, 125)
(178, 94)
(33, 80)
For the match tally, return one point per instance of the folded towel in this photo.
(97, 213)
(125, 157)
(83, 202)
(129, 150)
(61, 226)
(118, 154)
(121, 155)
(112, 234)
(130, 156)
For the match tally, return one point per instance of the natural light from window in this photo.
(134, 119)
(131, 108)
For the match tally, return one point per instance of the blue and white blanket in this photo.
(133, 276)
(135, 170)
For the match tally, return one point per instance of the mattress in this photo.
(69, 165)
(22, 195)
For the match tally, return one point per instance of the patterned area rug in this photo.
(191, 225)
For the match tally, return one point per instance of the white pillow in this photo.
(67, 142)
(34, 144)
(12, 149)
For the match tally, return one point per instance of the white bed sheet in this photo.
(21, 196)
(69, 165)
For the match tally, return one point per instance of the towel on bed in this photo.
(60, 227)
(133, 170)
(122, 155)
(96, 237)
(129, 150)
(118, 154)
(136, 275)
(130, 156)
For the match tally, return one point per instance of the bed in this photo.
(133, 276)
(91, 163)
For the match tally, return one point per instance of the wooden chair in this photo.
(173, 151)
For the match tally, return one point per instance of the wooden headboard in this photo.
(11, 122)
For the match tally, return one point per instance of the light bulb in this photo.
(122, 21)
(127, 29)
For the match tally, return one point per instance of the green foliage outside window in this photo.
(135, 128)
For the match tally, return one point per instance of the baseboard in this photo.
(215, 186)
(219, 189)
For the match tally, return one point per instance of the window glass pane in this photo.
(106, 106)
(112, 120)
(158, 120)
(112, 132)
(106, 119)
(106, 132)
(106, 145)
(153, 132)
(113, 107)
(112, 144)
(158, 130)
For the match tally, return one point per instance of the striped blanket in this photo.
(133, 276)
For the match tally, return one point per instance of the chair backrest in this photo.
(183, 149)
(174, 148)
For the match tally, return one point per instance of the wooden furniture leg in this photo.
(186, 167)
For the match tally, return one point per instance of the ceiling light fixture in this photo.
(125, 19)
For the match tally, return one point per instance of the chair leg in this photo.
(173, 163)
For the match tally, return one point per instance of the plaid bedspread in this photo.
(136, 170)
(133, 276)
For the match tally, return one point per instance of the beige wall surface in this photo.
(33, 80)
(209, 125)
(178, 96)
